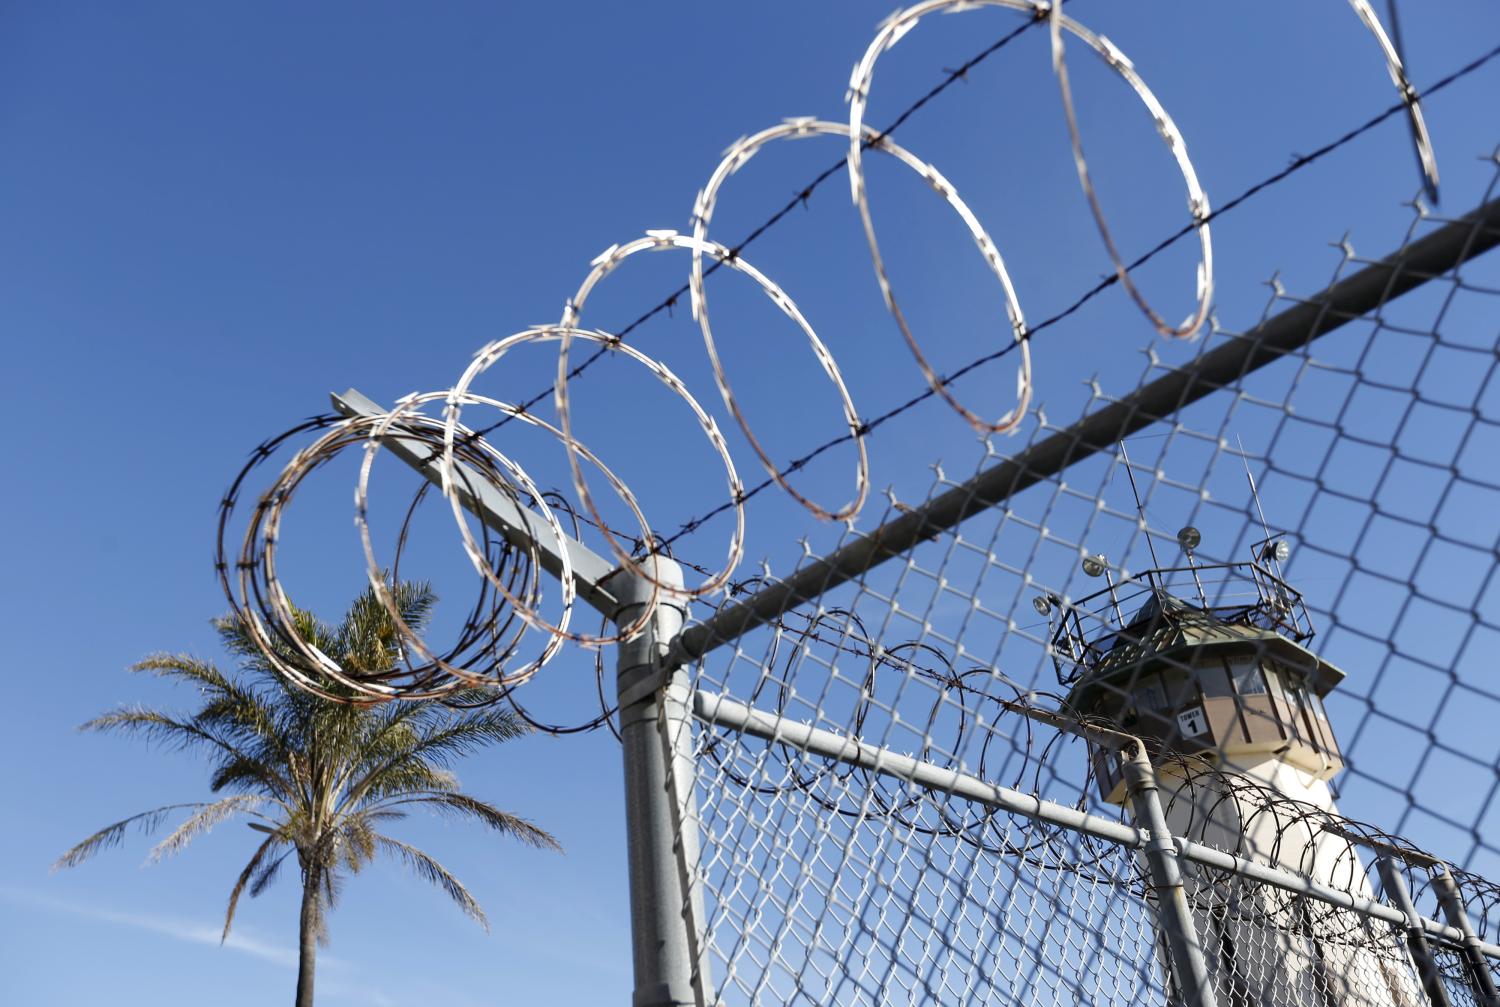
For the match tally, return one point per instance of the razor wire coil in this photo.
(262, 602)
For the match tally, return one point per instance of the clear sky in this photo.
(215, 214)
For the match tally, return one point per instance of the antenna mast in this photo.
(1255, 495)
(1139, 509)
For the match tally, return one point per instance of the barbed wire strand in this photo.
(1297, 164)
(800, 199)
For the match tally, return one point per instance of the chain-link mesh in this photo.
(913, 762)
(1455, 977)
(1263, 949)
(829, 884)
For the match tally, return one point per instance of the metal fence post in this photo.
(1458, 918)
(1174, 919)
(1396, 891)
(660, 816)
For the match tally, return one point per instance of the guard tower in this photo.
(1210, 666)
(1230, 682)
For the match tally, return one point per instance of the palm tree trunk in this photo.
(308, 939)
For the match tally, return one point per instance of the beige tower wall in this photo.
(1265, 946)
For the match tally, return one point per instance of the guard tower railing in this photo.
(1128, 612)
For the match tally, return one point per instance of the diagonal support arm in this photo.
(520, 526)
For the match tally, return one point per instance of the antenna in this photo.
(1277, 553)
(1139, 508)
(1254, 493)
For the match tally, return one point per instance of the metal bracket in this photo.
(640, 684)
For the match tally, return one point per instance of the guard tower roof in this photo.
(1169, 632)
(1176, 617)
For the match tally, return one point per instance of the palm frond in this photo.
(159, 728)
(146, 822)
(244, 879)
(237, 638)
(369, 638)
(441, 743)
(250, 774)
(187, 667)
(268, 874)
(300, 825)
(465, 806)
(368, 619)
(468, 734)
(358, 845)
(415, 600)
(201, 821)
(407, 777)
(430, 870)
(390, 730)
(244, 713)
(332, 887)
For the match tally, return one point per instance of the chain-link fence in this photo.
(1105, 721)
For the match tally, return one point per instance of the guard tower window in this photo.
(1297, 688)
(1246, 673)
(1154, 697)
(1214, 680)
(1276, 675)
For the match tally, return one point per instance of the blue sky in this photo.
(216, 214)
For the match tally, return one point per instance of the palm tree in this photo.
(315, 778)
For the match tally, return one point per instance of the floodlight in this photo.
(1095, 565)
(1189, 538)
(1042, 604)
(1277, 550)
